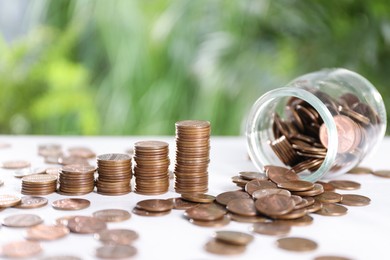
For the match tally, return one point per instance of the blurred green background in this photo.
(127, 67)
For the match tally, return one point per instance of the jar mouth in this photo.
(258, 131)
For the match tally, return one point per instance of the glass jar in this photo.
(321, 124)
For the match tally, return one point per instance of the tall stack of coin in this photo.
(76, 179)
(39, 184)
(192, 156)
(114, 174)
(151, 171)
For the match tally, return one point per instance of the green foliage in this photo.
(136, 67)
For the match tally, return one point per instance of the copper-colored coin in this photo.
(280, 174)
(345, 184)
(253, 175)
(294, 214)
(22, 220)
(297, 199)
(246, 219)
(271, 229)
(17, 164)
(303, 221)
(60, 257)
(225, 220)
(30, 202)
(296, 185)
(296, 244)
(239, 181)
(113, 157)
(316, 206)
(205, 212)
(198, 197)
(326, 185)
(220, 248)
(21, 249)
(225, 197)
(329, 197)
(46, 232)
(146, 213)
(8, 200)
(82, 152)
(112, 215)
(28, 171)
(85, 225)
(331, 257)
(117, 236)
(71, 204)
(255, 185)
(331, 209)
(179, 203)
(355, 200)
(317, 189)
(193, 124)
(382, 173)
(360, 170)
(275, 205)
(265, 192)
(244, 207)
(155, 205)
(233, 237)
(39, 179)
(64, 220)
(116, 251)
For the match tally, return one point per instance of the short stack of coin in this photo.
(76, 179)
(39, 184)
(192, 156)
(114, 174)
(151, 171)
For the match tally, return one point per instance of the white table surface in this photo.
(364, 233)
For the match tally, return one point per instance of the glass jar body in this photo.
(321, 124)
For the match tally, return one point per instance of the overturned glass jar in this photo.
(321, 124)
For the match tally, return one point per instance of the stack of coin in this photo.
(39, 184)
(192, 156)
(151, 171)
(114, 174)
(76, 179)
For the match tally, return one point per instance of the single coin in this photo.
(225, 220)
(255, 185)
(46, 232)
(296, 185)
(16, 164)
(253, 175)
(355, 200)
(265, 192)
(382, 173)
(220, 248)
(299, 222)
(328, 197)
(4, 145)
(233, 237)
(275, 205)
(28, 171)
(326, 185)
(280, 174)
(71, 204)
(198, 197)
(225, 197)
(345, 184)
(30, 202)
(180, 204)
(117, 236)
(271, 228)
(112, 215)
(296, 244)
(244, 207)
(146, 213)
(22, 220)
(331, 209)
(7, 200)
(360, 170)
(294, 214)
(85, 225)
(331, 257)
(21, 249)
(1, 182)
(155, 205)
(60, 257)
(317, 189)
(116, 251)
(246, 219)
(316, 206)
(205, 212)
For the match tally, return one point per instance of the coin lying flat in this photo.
(331, 209)
(179, 203)
(216, 247)
(225, 220)
(30, 202)
(117, 236)
(22, 220)
(253, 175)
(146, 213)
(298, 222)
(360, 170)
(205, 212)
(382, 173)
(155, 205)
(46, 232)
(21, 249)
(329, 197)
(198, 197)
(271, 228)
(355, 200)
(244, 207)
(225, 197)
(233, 237)
(275, 204)
(112, 215)
(7, 200)
(16, 164)
(116, 251)
(331, 257)
(296, 244)
(60, 257)
(71, 204)
(345, 184)
(85, 225)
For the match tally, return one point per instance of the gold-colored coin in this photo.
(296, 244)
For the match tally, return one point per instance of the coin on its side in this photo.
(296, 244)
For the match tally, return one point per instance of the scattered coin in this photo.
(253, 175)
(225, 220)
(116, 251)
(46, 232)
(225, 197)
(355, 200)
(60, 257)
(233, 237)
(331, 209)
(317, 190)
(360, 170)
(205, 212)
(265, 192)
(29, 171)
(85, 225)
(255, 185)
(71, 204)
(275, 205)
(155, 205)
(1, 182)
(112, 215)
(271, 228)
(243, 207)
(382, 173)
(146, 213)
(82, 152)
(296, 244)
(22, 220)
(296, 185)
(345, 184)
(329, 197)
(16, 164)
(198, 197)
(246, 219)
(331, 257)
(179, 203)
(21, 249)
(7, 200)
(30, 202)
(303, 221)
(117, 236)
(220, 248)
(326, 185)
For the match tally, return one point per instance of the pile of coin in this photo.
(301, 139)
(76, 179)
(151, 170)
(153, 207)
(192, 156)
(114, 174)
(39, 184)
